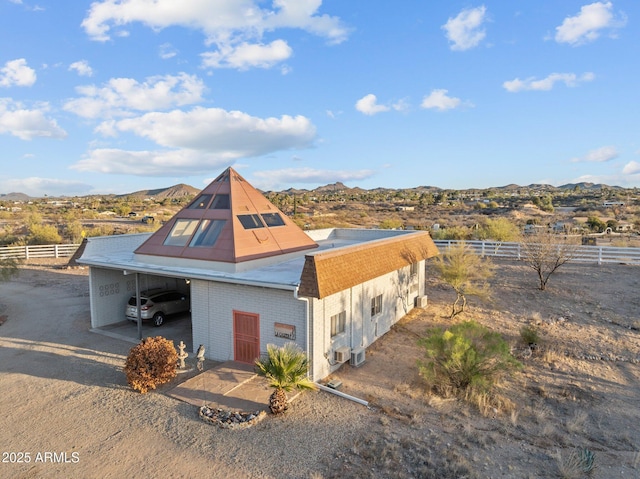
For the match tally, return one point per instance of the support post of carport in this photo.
(139, 306)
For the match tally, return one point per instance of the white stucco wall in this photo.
(109, 292)
(398, 291)
(212, 306)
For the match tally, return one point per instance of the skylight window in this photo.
(207, 233)
(250, 221)
(181, 232)
(200, 203)
(272, 219)
(220, 202)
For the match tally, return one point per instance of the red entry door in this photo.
(246, 337)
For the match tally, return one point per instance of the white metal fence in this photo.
(584, 254)
(38, 251)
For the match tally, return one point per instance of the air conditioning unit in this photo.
(421, 301)
(357, 357)
(342, 355)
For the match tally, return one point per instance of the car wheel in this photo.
(158, 319)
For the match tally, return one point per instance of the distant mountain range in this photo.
(181, 190)
(176, 191)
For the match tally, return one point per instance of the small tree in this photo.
(596, 224)
(498, 229)
(286, 368)
(152, 362)
(466, 272)
(545, 253)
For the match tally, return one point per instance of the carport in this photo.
(111, 289)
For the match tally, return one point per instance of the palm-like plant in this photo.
(286, 368)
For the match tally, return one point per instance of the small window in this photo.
(272, 219)
(200, 203)
(207, 233)
(413, 270)
(181, 232)
(250, 221)
(338, 323)
(220, 202)
(376, 305)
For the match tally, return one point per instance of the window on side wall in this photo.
(338, 323)
(413, 270)
(376, 305)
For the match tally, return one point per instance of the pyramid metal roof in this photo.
(230, 222)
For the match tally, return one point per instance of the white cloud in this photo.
(198, 141)
(465, 30)
(38, 187)
(28, 124)
(82, 68)
(368, 105)
(587, 25)
(151, 163)
(599, 155)
(17, 73)
(227, 24)
(245, 55)
(439, 100)
(122, 96)
(275, 179)
(631, 168)
(167, 51)
(215, 129)
(545, 84)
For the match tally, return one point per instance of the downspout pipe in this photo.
(327, 389)
(307, 326)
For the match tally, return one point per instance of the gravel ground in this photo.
(65, 393)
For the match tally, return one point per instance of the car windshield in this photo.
(132, 301)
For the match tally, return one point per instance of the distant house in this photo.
(405, 208)
(533, 229)
(255, 278)
(622, 227)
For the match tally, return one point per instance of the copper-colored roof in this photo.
(329, 272)
(234, 242)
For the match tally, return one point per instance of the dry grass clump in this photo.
(577, 423)
(151, 363)
(576, 464)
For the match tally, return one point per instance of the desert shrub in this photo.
(150, 363)
(529, 335)
(467, 357)
(577, 464)
(8, 268)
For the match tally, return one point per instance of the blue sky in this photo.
(114, 96)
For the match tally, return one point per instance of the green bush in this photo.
(529, 335)
(466, 356)
(150, 363)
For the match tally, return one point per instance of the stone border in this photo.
(231, 419)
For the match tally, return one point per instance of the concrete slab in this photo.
(231, 386)
(175, 329)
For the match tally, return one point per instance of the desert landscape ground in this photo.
(63, 393)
